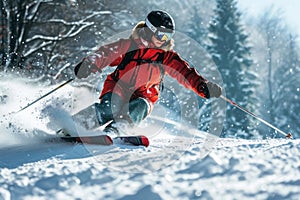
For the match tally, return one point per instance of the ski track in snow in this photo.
(177, 165)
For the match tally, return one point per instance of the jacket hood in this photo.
(136, 36)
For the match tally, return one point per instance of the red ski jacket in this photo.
(142, 76)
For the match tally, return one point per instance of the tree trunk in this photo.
(271, 114)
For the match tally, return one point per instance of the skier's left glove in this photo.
(212, 90)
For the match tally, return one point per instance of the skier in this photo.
(142, 61)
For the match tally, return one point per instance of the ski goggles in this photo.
(163, 36)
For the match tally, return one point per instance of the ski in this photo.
(107, 140)
(139, 140)
(98, 139)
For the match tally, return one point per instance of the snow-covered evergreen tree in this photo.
(230, 51)
(197, 29)
(287, 92)
(275, 55)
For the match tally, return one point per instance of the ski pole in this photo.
(60, 86)
(287, 135)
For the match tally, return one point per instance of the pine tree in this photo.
(197, 29)
(275, 55)
(230, 51)
(287, 92)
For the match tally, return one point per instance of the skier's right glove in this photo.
(85, 68)
(212, 90)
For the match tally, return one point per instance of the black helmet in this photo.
(161, 20)
(161, 24)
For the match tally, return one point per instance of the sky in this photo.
(290, 8)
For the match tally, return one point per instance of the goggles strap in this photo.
(152, 28)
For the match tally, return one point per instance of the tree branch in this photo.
(72, 32)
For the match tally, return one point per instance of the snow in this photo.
(180, 163)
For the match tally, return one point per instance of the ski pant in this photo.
(113, 107)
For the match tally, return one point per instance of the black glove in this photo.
(214, 90)
(84, 69)
(210, 89)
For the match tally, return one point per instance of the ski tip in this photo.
(145, 141)
(108, 139)
(289, 136)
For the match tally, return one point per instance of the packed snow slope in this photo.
(180, 163)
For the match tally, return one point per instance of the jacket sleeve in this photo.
(109, 54)
(179, 69)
